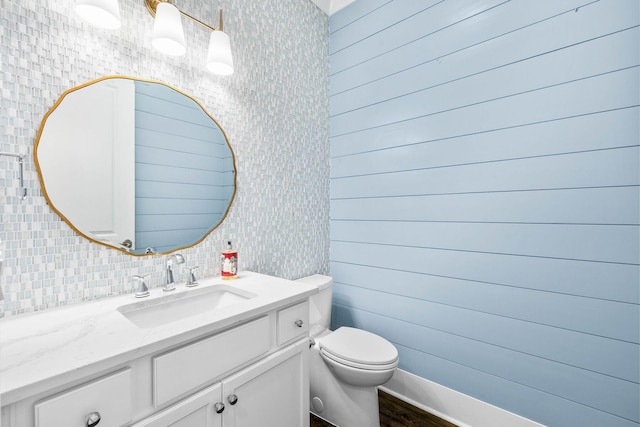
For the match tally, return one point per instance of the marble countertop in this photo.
(44, 350)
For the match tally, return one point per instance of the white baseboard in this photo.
(450, 405)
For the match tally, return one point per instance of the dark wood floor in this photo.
(396, 413)
(319, 422)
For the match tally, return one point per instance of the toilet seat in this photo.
(359, 349)
(364, 366)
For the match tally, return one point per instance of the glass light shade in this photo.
(168, 36)
(99, 13)
(219, 59)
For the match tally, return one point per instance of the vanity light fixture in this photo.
(219, 59)
(100, 13)
(168, 35)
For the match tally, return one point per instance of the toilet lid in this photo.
(359, 347)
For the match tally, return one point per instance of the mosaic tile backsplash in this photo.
(274, 109)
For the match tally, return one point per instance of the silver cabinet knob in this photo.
(233, 399)
(93, 418)
(219, 407)
(299, 323)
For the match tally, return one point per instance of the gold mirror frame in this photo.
(53, 207)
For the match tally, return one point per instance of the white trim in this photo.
(451, 405)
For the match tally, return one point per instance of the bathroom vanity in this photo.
(229, 354)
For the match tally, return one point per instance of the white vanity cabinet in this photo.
(270, 393)
(240, 365)
(251, 373)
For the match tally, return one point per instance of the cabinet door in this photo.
(203, 409)
(271, 393)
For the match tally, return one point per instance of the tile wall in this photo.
(274, 109)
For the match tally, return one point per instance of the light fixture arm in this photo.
(151, 6)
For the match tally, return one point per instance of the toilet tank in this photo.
(320, 303)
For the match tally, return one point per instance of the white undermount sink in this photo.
(173, 307)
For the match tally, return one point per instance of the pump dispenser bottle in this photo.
(229, 268)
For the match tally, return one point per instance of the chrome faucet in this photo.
(171, 284)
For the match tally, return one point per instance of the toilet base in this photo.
(341, 404)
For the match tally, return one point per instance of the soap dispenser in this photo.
(229, 269)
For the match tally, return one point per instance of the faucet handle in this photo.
(170, 283)
(191, 278)
(141, 287)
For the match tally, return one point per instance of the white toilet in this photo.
(346, 365)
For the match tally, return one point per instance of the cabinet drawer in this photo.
(109, 396)
(293, 322)
(184, 369)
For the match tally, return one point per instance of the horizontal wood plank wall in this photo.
(485, 197)
(184, 169)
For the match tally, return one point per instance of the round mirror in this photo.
(135, 165)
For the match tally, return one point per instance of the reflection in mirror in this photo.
(135, 165)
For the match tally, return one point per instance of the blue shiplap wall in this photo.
(184, 169)
(485, 197)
